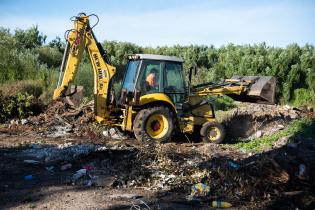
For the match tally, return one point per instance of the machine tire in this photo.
(142, 125)
(214, 127)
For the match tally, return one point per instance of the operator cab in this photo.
(147, 74)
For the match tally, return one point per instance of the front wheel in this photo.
(212, 132)
(155, 124)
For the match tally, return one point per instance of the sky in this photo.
(169, 22)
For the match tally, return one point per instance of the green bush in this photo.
(303, 97)
(19, 106)
(30, 87)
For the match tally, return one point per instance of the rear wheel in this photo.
(155, 124)
(212, 132)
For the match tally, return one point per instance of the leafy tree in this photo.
(29, 38)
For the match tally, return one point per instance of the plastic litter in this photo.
(50, 169)
(221, 204)
(79, 174)
(302, 169)
(28, 177)
(24, 121)
(89, 167)
(31, 161)
(233, 165)
(66, 166)
(138, 206)
(200, 190)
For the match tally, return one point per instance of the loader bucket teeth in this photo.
(261, 89)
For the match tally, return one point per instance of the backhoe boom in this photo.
(81, 39)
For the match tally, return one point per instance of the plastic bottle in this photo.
(221, 204)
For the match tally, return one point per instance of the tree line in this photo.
(24, 55)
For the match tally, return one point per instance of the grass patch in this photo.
(303, 127)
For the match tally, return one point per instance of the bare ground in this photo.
(128, 175)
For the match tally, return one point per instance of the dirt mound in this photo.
(256, 120)
(57, 120)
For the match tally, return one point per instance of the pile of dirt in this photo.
(57, 120)
(255, 120)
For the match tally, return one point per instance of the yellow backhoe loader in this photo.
(155, 101)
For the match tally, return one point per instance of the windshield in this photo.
(130, 78)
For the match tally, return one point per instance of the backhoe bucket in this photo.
(261, 89)
(74, 96)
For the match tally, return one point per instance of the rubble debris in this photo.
(64, 152)
(114, 134)
(24, 121)
(50, 169)
(66, 167)
(117, 183)
(124, 195)
(79, 174)
(59, 120)
(139, 205)
(233, 166)
(31, 161)
(301, 173)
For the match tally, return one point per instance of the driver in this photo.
(151, 78)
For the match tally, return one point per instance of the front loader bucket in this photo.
(261, 89)
(74, 96)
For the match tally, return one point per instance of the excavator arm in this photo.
(81, 38)
(257, 89)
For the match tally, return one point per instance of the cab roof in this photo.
(156, 57)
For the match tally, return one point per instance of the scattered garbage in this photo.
(31, 161)
(117, 183)
(88, 167)
(50, 169)
(24, 121)
(79, 174)
(221, 204)
(64, 152)
(139, 206)
(36, 146)
(233, 166)
(28, 177)
(124, 195)
(200, 190)
(114, 134)
(66, 166)
(301, 173)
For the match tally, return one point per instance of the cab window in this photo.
(174, 82)
(150, 78)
